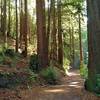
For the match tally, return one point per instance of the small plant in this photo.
(84, 71)
(32, 76)
(50, 75)
(34, 63)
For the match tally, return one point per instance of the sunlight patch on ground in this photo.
(74, 85)
(54, 91)
(72, 74)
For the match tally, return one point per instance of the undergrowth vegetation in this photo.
(50, 74)
(9, 57)
(34, 63)
(9, 80)
(84, 71)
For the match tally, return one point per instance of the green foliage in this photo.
(32, 76)
(34, 63)
(9, 52)
(97, 88)
(66, 64)
(83, 70)
(93, 85)
(9, 80)
(9, 57)
(50, 75)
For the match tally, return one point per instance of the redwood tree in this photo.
(41, 33)
(93, 82)
(60, 41)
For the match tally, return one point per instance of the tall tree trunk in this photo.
(48, 27)
(16, 47)
(41, 33)
(26, 26)
(70, 42)
(5, 23)
(60, 42)
(1, 17)
(80, 40)
(9, 18)
(73, 48)
(53, 34)
(21, 23)
(93, 8)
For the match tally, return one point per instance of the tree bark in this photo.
(26, 26)
(80, 40)
(93, 8)
(60, 41)
(41, 33)
(16, 47)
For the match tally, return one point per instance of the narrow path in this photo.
(71, 89)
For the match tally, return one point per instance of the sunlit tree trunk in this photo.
(80, 40)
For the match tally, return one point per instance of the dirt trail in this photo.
(70, 89)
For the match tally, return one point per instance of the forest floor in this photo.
(71, 88)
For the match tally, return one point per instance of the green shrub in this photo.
(97, 88)
(50, 75)
(9, 52)
(66, 64)
(32, 76)
(9, 80)
(83, 71)
(34, 63)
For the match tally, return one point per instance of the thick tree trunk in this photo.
(53, 34)
(41, 33)
(26, 27)
(93, 8)
(48, 28)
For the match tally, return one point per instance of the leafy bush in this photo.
(83, 70)
(66, 64)
(50, 75)
(9, 80)
(9, 52)
(5, 59)
(32, 76)
(97, 88)
(34, 63)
